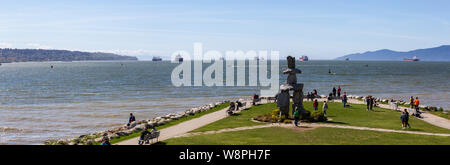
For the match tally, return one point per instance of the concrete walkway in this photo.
(187, 126)
(427, 117)
(313, 125)
(183, 128)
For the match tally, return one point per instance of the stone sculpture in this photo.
(283, 98)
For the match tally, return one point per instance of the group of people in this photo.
(312, 95)
(234, 106)
(404, 117)
(338, 91)
(370, 102)
(324, 106)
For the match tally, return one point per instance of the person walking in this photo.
(407, 119)
(344, 99)
(315, 105)
(403, 119)
(325, 107)
(334, 92)
(339, 91)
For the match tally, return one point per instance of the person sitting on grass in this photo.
(296, 117)
(315, 105)
(325, 107)
(105, 141)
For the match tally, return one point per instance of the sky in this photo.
(320, 29)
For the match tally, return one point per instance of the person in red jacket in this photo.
(339, 91)
(315, 105)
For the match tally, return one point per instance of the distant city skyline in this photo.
(318, 29)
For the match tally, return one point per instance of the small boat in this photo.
(303, 58)
(411, 59)
(156, 58)
(179, 58)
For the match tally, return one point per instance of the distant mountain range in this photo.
(23, 55)
(441, 53)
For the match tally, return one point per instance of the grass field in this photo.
(318, 136)
(355, 116)
(174, 122)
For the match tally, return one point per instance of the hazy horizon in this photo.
(322, 30)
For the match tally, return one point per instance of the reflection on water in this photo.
(73, 98)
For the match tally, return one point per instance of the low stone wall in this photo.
(137, 126)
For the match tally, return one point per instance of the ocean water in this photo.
(38, 103)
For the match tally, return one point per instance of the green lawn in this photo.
(355, 116)
(440, 114)
(318, 136)
(174, 122)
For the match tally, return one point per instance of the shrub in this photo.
(441, 109)
(318, 116)
(305, 115)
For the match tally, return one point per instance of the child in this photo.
(325, 107)
(315, 105)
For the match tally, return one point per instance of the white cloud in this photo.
(39, 46)
(5, 45)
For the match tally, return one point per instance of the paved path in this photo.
(183, 128)
(189, 125)
(427, 117)
(313, 125)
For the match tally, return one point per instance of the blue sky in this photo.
(319, 29)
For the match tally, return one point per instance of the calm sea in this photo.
(74, 98)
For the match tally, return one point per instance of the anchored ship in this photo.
(179, 58)
(411, 59)
(157, 58)
(303, 58)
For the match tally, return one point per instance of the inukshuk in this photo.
(283, 98)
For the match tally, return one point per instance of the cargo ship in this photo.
(303, 58)
(179, 58)
(157, 58)
(411, 59)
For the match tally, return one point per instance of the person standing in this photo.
(325, 107)
(315, 105)
(411, 102)
(371, 102)
(296, 117)
(315, 93)
(367, 99)
(334, 92)
(344, 99)
(416, 103)
(339, 91)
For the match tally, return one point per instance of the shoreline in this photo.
(137, 126)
